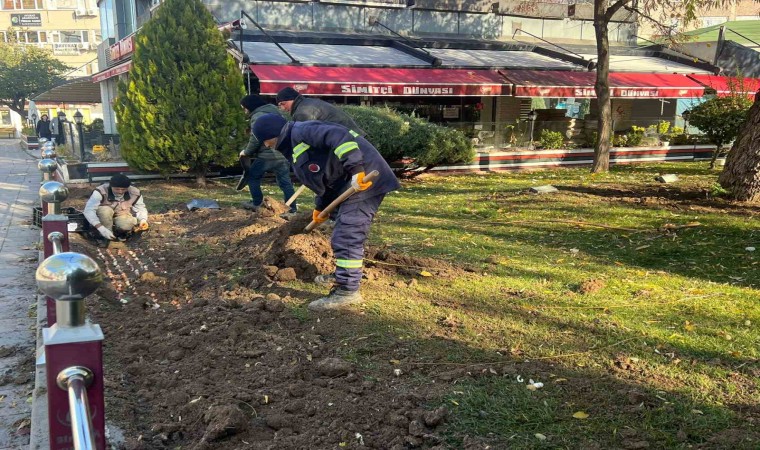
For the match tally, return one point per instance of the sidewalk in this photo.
(19, 187)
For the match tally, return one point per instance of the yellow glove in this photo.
(142, 226)
(358, 183)
(315, 217)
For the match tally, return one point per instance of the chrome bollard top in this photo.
(47, 165)
(68, 276)
(48, 145)
(49, 153)
(54, 192)
(42, 140)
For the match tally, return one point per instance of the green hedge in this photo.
(399, 136)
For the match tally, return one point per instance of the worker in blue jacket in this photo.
(328, 159)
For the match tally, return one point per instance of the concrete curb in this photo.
(39, 437)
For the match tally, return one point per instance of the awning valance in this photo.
(79, 90)
(558, 84)
(384, 82)
(725, 85)
(112, 72)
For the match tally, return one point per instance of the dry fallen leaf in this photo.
(425, 273)
(688, 326)
(540, 437)
(580, 415)
(395, 361)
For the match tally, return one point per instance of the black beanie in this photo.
(251, 102)
(268, 126)
(286, 94)
(120, 181)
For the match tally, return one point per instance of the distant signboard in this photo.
(26, 20)
(123, 48)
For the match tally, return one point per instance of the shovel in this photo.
(245, 163)
(295, 195)
(335, 203)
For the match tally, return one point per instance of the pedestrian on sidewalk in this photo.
(329, 159)
(264, 159)
(43, 127)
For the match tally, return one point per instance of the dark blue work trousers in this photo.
(281, 170)
(350, 233)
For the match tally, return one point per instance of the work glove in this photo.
(106, 233)
(242, 153)
(142, 226)
(315, 217)
(358, 183)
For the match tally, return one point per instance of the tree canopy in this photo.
(26, 71)
(664, 15)
(179, 110)
(720, 118)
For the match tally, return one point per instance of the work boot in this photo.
(250, 206)
(290, 214)
(338, 298)
(327, 280)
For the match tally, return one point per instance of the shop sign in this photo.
(112, 72)
(615, 92)
(123, 48)
(404, 90)
(26, 20)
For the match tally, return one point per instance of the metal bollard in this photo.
(47, 167)
(52, 194)
(73, 353)
(49, 153)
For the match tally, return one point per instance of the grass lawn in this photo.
(636, 303)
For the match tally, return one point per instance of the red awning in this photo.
(557, 84)
(725, 85)
(112, 72)
(384, 82)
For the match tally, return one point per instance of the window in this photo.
(5, 117)
(31, 37)
(106, 19)
(74, 36)
(22, 4)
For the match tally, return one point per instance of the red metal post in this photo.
(51, 223)
(66, 347)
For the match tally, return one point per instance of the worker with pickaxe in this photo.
(330, 159)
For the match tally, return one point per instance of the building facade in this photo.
(70, 29)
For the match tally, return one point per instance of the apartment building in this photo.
(70, 29)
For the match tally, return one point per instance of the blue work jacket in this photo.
(325, 156)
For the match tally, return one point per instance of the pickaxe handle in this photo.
(295, 195)
(341, 198)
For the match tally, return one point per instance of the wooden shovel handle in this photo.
(295, 195)
(341, 198)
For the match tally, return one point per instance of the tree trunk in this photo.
(602, 87)
(200, 178)
(741, 174)
(715, 155)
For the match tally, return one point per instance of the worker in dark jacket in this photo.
(264, 159)
(303, 109)
(329, 159)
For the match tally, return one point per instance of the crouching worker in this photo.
(328, 159)
(116, 208)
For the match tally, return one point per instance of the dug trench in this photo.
(208, 345)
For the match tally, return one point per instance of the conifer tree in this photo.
(179, 110)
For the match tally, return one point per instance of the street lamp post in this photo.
(78, 119)
(34, 123)
(61, 137)
(532, 116)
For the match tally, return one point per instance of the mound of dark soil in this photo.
(204, 350)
